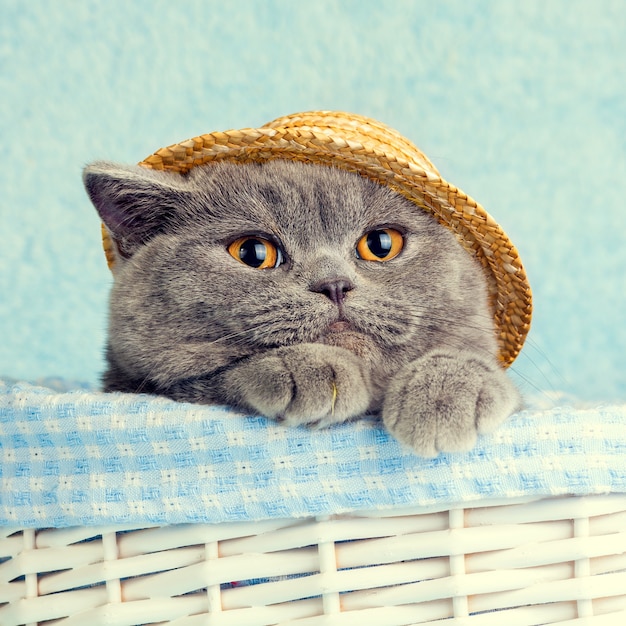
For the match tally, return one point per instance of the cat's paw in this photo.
(440, 402)
(310, 384)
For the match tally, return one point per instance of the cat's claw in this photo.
(306, 384)
(441, 402)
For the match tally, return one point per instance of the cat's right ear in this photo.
(134, 203)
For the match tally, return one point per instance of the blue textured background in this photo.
(521, 105)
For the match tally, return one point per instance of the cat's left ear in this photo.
(134, 203)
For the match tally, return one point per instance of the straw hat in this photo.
(367, 147)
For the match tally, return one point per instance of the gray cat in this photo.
(301, 292)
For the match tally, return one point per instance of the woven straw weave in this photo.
(548, 561)
(365, 146)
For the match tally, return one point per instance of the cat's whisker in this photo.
(241, 336)
(526, 380)
(525, 355)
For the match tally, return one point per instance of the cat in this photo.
(304, 293)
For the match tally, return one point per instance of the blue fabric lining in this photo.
(85, 458)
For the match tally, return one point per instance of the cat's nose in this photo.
(335, 289)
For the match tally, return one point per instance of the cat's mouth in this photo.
(340, 326)
(342, 334)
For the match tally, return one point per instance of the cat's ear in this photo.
(134, 203)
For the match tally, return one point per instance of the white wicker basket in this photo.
(525, 562)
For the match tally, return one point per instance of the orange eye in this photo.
(256, 252)
(382, 244)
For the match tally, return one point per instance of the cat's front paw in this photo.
(440, 402)
(311, 384)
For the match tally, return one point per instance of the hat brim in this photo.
(371, 149)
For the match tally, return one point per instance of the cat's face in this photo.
(234, 260)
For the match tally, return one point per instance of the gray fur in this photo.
(188, 321)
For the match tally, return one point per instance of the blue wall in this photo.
(520, 104)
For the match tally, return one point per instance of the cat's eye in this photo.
(256, 252)
(382, 244)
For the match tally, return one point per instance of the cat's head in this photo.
(231, 260)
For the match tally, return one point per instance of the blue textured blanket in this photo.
(89, 458)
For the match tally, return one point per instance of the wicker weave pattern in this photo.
(556, 560)
(367, 147)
